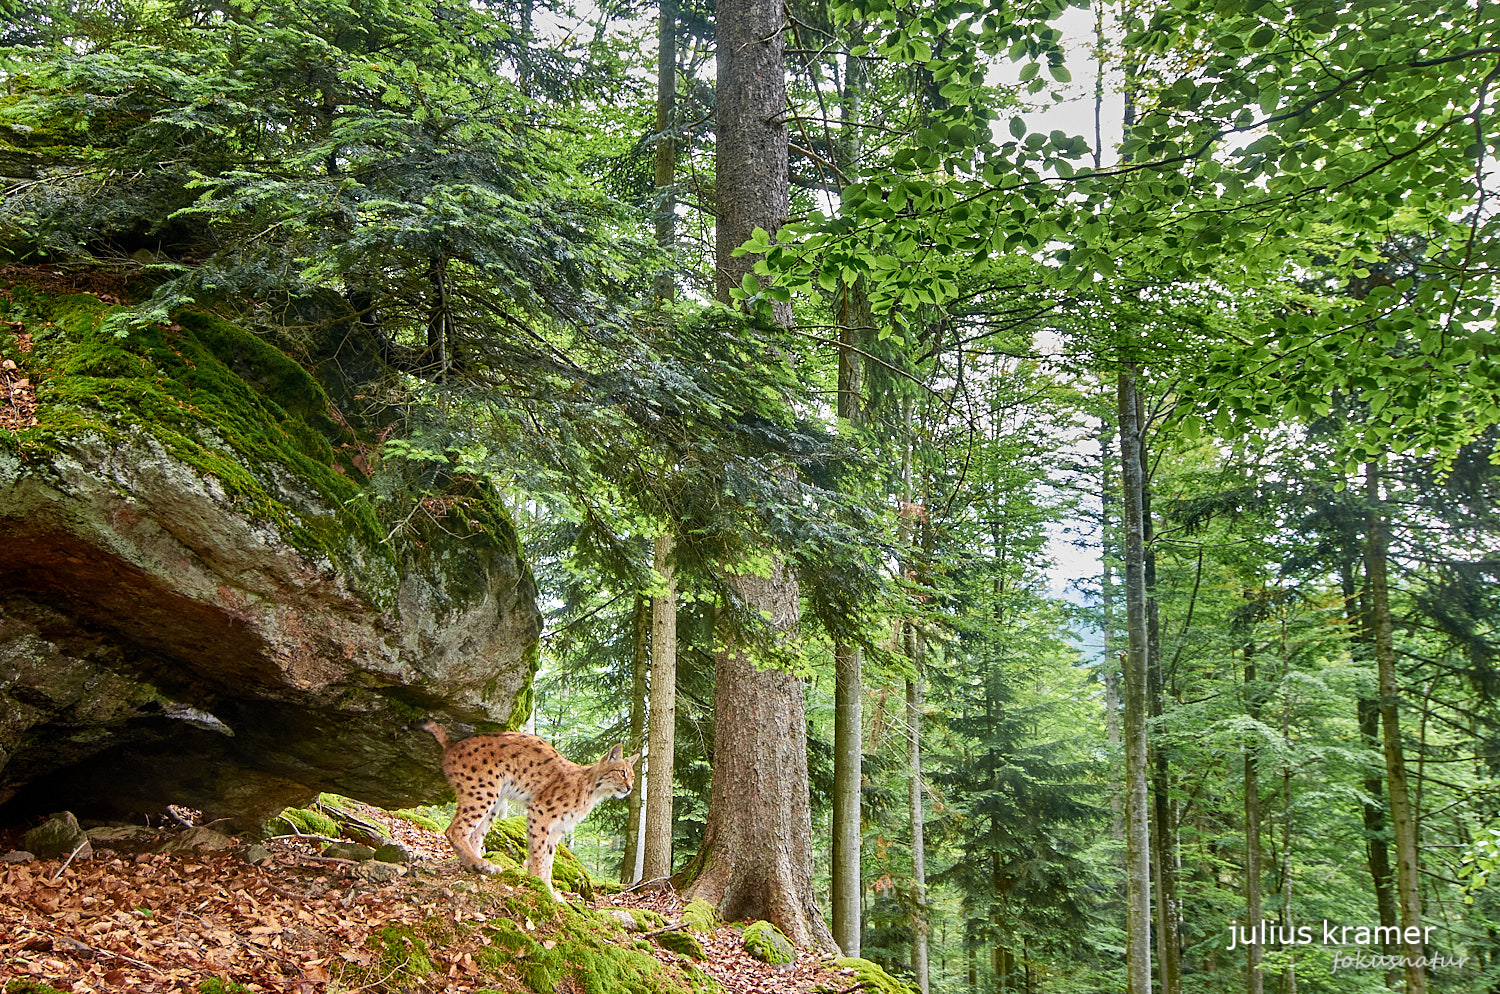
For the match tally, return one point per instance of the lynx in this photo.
(483, 769)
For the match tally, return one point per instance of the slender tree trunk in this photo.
(1163, 818)
(1367, 710)
(640, 648)
(1107, 608)
(1136, 703)
(756, 856)
(663, 724)
(666, 144)
(919, 944)
(1408, 897)
(848, 690)
(848, 762)
(1254, 913)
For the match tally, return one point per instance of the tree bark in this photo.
(666, 144)
(662, 740)
(1408, 897)
(919, 924)
(756, 857)
(848, 762)
(1367, 710)
(1254, 913)
(640, 647)
(1136, 698)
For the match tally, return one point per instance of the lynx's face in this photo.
(614, 774)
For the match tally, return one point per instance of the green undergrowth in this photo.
(527, 942)
(213, 396)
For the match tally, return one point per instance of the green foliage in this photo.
(215, 986)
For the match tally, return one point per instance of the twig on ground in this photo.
(76, 850)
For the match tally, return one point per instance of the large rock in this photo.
(199, 601)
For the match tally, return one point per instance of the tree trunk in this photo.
(919, 922)
(1367, 710)
(666, 144)
(756, 856)
(640, 647)
(657, 861)
(1136, 703)
(1408, 898)
(1163, 818)
(848, 762)
(1254, 913)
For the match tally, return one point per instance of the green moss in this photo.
(25, 986)
(214, 397)
(871, 977)
(216, 986)
(682, 943)
(506, 844)
(701, 916)
(434, 818)
(308, 822)
(402, 952)
(583, 954)
(647, 920)
(769, 944)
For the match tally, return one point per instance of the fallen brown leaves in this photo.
(298, 924)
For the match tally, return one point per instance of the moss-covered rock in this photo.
(683, 943)
(202, 604)
(767, 943)
(506, 846)
(871, 977)
(582, 950)
(307, 821)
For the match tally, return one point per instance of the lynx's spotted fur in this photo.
(484, 769)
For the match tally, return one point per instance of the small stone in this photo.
(392, 852)
(255, 854)
(58, 837)
(377, 872)
(348, 850)
(17, 856)
(198, 839)
(116, 835)
(626, 919)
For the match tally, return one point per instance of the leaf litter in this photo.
(298, 923)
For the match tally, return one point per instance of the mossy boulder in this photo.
(200, 601)
(682, 943)
(506, 846)
(767, 943)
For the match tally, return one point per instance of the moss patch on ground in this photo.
(871, 977)
(700, 915)
(569, 948)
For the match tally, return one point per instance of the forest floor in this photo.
(134, 919)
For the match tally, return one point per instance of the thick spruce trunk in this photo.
(756, 856)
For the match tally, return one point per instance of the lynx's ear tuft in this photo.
(615, 754)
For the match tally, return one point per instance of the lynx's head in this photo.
(614, 775)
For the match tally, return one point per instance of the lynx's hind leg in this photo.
(467, 830)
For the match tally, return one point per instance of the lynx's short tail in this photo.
(438, 732)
